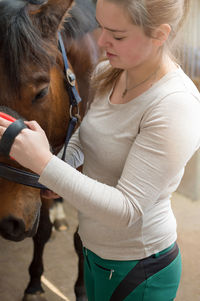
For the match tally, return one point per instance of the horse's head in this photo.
(32, 83)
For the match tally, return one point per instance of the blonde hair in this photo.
(149, 15)
(190, 55)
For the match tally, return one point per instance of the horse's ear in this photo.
(49, 15)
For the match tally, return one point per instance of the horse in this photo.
(33, 87)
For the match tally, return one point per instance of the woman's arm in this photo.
(169, 135)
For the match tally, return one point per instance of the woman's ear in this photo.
(161, 34)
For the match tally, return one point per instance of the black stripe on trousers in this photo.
(144, 269)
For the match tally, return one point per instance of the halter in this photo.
(28, 178)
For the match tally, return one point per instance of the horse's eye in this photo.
(41, 94)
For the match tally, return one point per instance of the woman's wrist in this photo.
(42, 163)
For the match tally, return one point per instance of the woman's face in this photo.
(125, 44)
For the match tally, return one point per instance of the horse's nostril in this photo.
(12, 228)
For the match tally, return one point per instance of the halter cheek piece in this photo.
(9, 136)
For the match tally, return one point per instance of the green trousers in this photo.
(155, 278)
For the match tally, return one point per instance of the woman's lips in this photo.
(110, 55)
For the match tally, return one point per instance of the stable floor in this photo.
(60, 261)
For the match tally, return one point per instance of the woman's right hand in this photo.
(31, 147)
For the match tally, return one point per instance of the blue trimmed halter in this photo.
(74, 97)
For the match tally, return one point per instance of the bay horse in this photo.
(33, 87)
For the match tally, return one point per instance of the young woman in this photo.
(141, 129)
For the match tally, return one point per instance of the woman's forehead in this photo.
(112, 16)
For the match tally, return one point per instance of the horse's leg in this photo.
(79, 287)
(34, 290)
(58, 216)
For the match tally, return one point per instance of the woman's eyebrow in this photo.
(110, 29)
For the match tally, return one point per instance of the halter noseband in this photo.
(28, 178)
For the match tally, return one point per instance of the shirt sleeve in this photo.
(169, 135)
(74, 154)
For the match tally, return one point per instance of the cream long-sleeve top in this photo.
(134, 159)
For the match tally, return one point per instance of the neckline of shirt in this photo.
(152, 89)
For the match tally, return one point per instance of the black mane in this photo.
(21, 42)
(81, 20)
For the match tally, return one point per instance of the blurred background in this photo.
(60, 260)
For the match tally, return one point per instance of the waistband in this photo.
(158, 254)
(88, 252)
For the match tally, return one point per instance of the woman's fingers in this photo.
(4, 123)
(34, 126)
(2, 130)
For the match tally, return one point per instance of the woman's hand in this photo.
(31, 147)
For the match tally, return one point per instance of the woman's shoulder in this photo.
(177, 83)
(175, 98)
(174, 90)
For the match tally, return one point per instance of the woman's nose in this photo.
(103, 39)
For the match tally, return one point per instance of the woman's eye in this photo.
(118, 39)
(41, 94)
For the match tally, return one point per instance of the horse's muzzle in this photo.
(12, 228)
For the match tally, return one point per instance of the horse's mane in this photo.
(21, 41)
(81, 19)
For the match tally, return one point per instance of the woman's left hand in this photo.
(31, 147)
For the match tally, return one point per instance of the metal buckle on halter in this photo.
(70, 77)
(74, 112)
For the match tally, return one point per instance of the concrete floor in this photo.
(60, 260)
